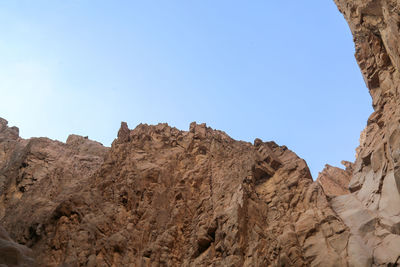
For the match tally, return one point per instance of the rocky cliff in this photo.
(372, 211)
(164, 197)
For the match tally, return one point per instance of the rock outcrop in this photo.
(161, 196)
(164, 197)
(335, 181)
(36, 177)
(372, 211)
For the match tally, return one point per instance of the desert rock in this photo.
(335, 181)
(161, 196)
(166, 197)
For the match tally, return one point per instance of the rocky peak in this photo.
(335, 181)
(3, 124)
(9, 132)
(123, 133)
(165, 196)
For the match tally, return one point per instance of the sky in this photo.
(276, 70)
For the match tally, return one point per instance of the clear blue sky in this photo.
(276, 70)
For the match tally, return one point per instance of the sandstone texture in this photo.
(335, 181)
(37, 177)
(372, 211)
(165, 197)
(13, 254)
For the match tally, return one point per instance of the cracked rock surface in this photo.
(372, 211)
(165, 197)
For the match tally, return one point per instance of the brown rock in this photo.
(335, 181)
(13, 254)
(164, 197)
(375, 27)
(123, 133)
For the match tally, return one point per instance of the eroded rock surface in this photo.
(36, 177)
(164, 197)
(13, 254)
(335, 181)
(372, 211)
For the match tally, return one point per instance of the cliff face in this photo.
(372, 211)
(164, 197)
(37, 177)
(161, 196)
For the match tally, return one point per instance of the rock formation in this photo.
(164, 197)
(13, 254)
(335, 181)
(372, 211)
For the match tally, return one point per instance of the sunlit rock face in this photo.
(335, 181)
(161, 196)
(36, 177)
(372, 211)
(164, 197)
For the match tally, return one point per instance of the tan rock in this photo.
(164, 197)
(375, 27)
(335, 181)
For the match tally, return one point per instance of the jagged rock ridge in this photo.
(164, 197)
(167, 197)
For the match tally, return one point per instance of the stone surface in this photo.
(37, 177)
(13, 254)
(161, 196)
(375, 180)
(335, 181)
(164, 197)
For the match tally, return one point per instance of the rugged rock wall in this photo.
(372, 211)
(37, 177)
(164, 197)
